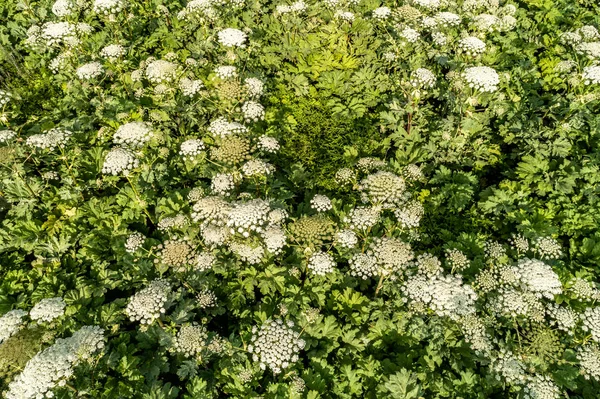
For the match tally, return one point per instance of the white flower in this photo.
(422, 78)
(119, 160)
(591, 75)
(48, 309)
(257, 167)
(190, 340)
(51, 139)
(112, 51)
(149, 303)
(275, 345)
(255, 87)
(63, 8)
(232, 37)
(222, 184)
(54, 365)
(321, 203)
(253, 111)
(482, 78)
(90, 70)
(538, 278)
(447, 19)
(248, 253)
(190, 87)
(221, 127)
(133, 134)
(344, 15)
(383, 188)
(410, 35)
(226, 71)
(10, 323)
(108, 6)
(161, 71)
(346, 238)
(382, 13)
(589, 361)
(409, 216)
(363, 266)
(268, 144)
(6, 135)
(56, 32)
(191, 148)
(471, 45)
(321, 263)
(247, 217)
(591, 322)
(134, 242)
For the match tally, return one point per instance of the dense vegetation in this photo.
(339, 198)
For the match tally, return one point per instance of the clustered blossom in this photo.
(541, 386)
(381, 13)
(175, 253)
(10, 323)
(422, 78)
(257, 167)
(222, 184)
(410, 35)
(563, 318)
(471, 45)
(161, 71)
(204, 261)
(383, 188)
(247, 217)
(297, 7)
(4, 97)
(321, 263)
(591, 75)
(457, 260)
(547, 248)
(409, 216)
(112, 51)
(53, 366)
(253, 111)
(48, 309)
(119, 161)
(447, 19)
(346, 238)
(172, 222)
(226, 71)
(392, 254)
(63, 8)
(321, 203)
(589, 361)
(254, 87)
(190, 87)
(191, 148)
(50, 140)
(190, 340)
(232, 38)
(134, 242)
(268, 144)
(133, 134)
(247, 253)
(275, 345)
(7, 135)
(482, 78)
(90, 71)
(363, 218)
(507, 366)
(538, 278)
(108, 6)
(344, 15)
(221, 127)
(149, 303)
(591, 322)
(363, 266)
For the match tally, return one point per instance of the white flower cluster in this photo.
(247, 253)
(226, 71)
(321, 203)
(63, 8)
(54, 33)
(275, 345)
(589, 361)
(107, 7)
(547, 248)
(427, 4)
(363, 218)
(363, 266)
(7, 135)
(190, 340)
(119, 160)
(268, 144)
(457, 260)
(172, 222)
(48, 309)
(422, 78)
(383, 188)
(204, 261)
(409, 216)
(4, 97)
(439, 39)
(321, 263)
(10, 323)
(296, 7)
(90, 71)
(190, 87)
(134, 242)
(133, 134)
(428, 265)
(232, 38)
(507, 366)
(447, 296)
(392, 254)
(257, 167)
(382, 13)
(222, 183)
(346, 238)
(537, 277)
(247, 217)
(53, 366)
(487, 22)
(344, 15)
(161, 71)
(253, 111)
(191, 148)
(591, 75)
(472, 46)
(447, 19)
(50, 140)
(541, 387)
(254, 87)
(590, 50)
(563, 318)
(149, 303)
(591, 322)
(112, 52)
(482, 78)
(221, 127)
(410, 35)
